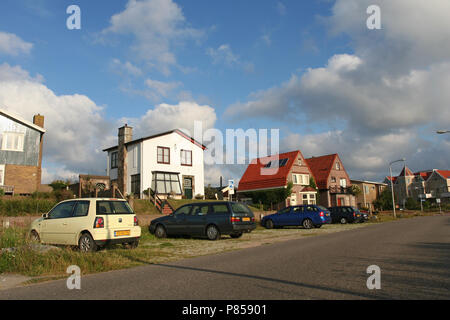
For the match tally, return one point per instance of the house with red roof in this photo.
(427, 184)
(332, 180)
(275, 172)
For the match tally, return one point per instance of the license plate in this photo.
(328, 214)
(121, 233)
(245, 219)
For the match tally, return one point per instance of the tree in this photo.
(58, 185)
(210, 193)
(384, 200)
(312, 184)
(272, 196)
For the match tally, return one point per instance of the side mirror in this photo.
(45, 216)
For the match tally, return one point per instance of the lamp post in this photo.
(392, 183)
(420, 198)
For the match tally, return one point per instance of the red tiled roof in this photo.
(308, 189)
(258, 177)
(444, 173)
(424, 174)
(393, 178)
(321, 168)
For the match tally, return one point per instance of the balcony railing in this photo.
(339, 189)
(7, 189)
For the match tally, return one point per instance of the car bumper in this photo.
(246, 228)
(102, 243)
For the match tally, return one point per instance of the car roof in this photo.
(95, 199)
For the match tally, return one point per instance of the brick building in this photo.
(332, 181)
(21, 144)
(274, 172)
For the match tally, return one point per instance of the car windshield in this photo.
(113, 207)
(322, 208)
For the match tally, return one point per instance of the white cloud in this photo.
(166, 117)
(223, 54)
(76, 130)
(125, 68)
(11, 44)
(382, 102)
(281, 8)
(157, 26)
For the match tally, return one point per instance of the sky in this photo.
(312, 69)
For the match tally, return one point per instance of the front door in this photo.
(339, 202)
(187, 185)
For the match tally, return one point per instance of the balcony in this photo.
(340, 190)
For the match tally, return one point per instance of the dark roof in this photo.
(181, 133)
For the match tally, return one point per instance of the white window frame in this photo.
(20, 143)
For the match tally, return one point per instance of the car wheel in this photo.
(160, 232)
(212, 233)
(236, 235)
(343, 220)
(86, 243)
(307, 224)
(34, 237)
(269, 224)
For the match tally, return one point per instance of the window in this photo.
(276, 164)
(114, 160)
(285, 210)
(166, 183)
(136, 184)
(220, 208)
(186, 157)
(343, 183)
(82, 209)
(366, 189)
(240, 208)
(200, 210)
(299, 162)
(183, 210)
(163, 155)
(302, 179)
(338, 166)
(13, 141)
(333, 179)
(63, 210)
(113, 207)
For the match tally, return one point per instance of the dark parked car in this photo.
(346, 214)
(206, 219)
(308, 216)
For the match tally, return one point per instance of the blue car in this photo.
(308, 216)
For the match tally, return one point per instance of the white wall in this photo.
(176, 143)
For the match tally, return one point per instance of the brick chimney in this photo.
(125, 135)
(39, 121)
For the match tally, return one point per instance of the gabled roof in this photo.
(19, 119)
(406, 172)
(257, 177)
(181, 133)
(321, 168)
(444, 173)
(424, 174)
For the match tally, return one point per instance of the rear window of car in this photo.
(322, 208)
(240, 208)
(113, 207)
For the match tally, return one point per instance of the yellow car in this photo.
(88, 224)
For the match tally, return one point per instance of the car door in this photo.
(196, 221)
(77, 222)
(177, 224)
(54, 228)
(283, 217)
(296, 216)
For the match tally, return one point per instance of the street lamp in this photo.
(442, 131)
(392, 183)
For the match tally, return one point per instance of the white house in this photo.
(168, 163)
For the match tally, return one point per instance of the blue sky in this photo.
(310, 68)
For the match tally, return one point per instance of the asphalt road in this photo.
(413, 256)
